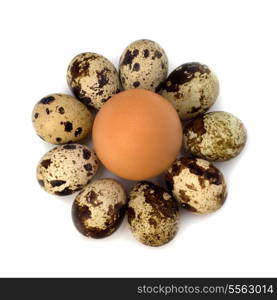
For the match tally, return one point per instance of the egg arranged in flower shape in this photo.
(143, 65)
(137, 134)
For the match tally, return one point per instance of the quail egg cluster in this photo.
(192, 183)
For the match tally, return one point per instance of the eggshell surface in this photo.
(197, 184)
(143, 65)
(61, 118)
(99, 208)
(66, 169)
(153, 214)
(215, 136)
(137, 134)
(192, 88)
(92, 78)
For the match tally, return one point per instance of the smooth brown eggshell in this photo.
(137, 134)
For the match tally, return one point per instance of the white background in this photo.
(237, 39)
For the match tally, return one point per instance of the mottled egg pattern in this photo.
(66, 169)
(197, 184)
(191, 88)
(61, 118)
(93, 79)
(99, 208)
(215, 136)
(143, 65)
(153, 214)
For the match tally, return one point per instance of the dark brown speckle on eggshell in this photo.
(144, 65)
(66, 169)
(153, 214)
(192, 89)
(93, 79)
(215, 136)
(61, 118)
(99, 208)
(197, 184)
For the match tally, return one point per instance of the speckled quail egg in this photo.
(215, 136)
(192, 89)
(153, 214)
(93, 79)
(66, 169)
(196, 184)
(99, 208)
(61, 118)
(143, 65)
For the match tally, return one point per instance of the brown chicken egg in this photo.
(137, 134)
